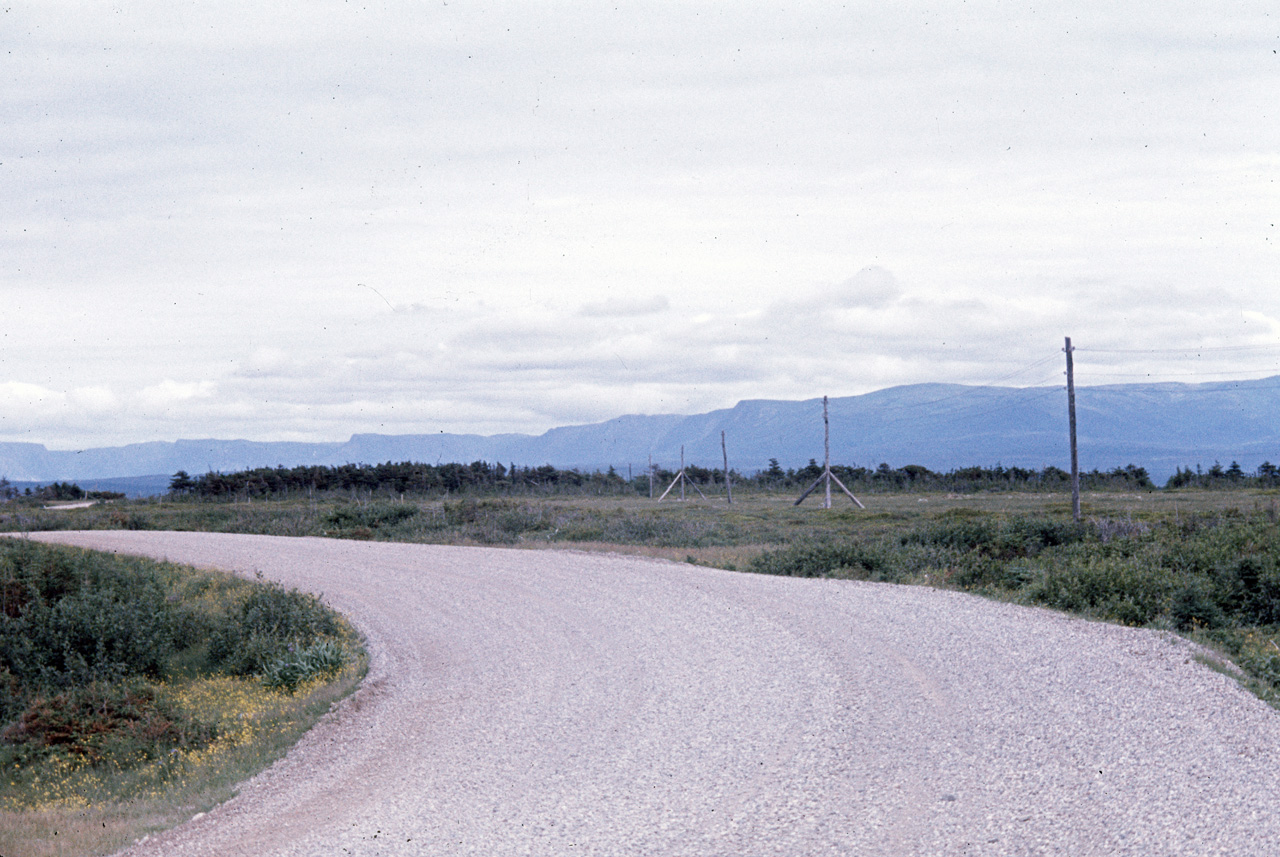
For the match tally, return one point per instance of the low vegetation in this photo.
(1202, 560)
(134, 693)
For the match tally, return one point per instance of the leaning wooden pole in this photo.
(1071, 421)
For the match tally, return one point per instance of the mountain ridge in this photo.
(1160, 426)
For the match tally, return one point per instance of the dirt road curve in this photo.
(559, 703)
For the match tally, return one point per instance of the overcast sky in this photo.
(286, 221)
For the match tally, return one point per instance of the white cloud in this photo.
(169, 394)
(94, 400)
(18, 397)
(614, 307)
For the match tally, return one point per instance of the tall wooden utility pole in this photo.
(651, 476)
(1071, 420)
(728, 483)
(827, 476)
(826, 452)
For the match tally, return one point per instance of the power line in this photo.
(903, 412)
(968, 387)
(978, 409)
(1186, 374)
(1166, 351)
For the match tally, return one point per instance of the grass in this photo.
(81, 811)
(138, 693)
(756, 517)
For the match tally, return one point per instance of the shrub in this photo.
(267, 623)
(1195, 605)
(369, 517)
(1125, 590)
(321, 658)
(123, 722)
(73, 617)
(1003, 539)
(815, 559)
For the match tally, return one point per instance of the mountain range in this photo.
(940, 426)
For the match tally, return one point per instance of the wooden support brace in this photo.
(809, 490)
(847, 491)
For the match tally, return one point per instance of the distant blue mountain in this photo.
(939, 426)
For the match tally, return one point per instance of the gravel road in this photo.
(558, 703)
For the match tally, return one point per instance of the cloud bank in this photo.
(277, 223)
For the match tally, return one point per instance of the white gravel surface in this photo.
(559, 703)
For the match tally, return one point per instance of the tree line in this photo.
(54, 491)
(481, 477)
(1233, 476)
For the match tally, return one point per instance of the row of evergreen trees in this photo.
(54, 491)
(1266, 476)
(483, 477)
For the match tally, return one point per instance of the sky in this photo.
(300, 221)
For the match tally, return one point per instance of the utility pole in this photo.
(651, 476)
(827, 476)
(728, 483)
(1071, 419)
(826, 451)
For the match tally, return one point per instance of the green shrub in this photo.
(86, 638)
(817, 559)
(372, 516)
(1003, 539)
(73, 617)
(1196, 604)
(268, 622)
(1130, 591)
(322, 658)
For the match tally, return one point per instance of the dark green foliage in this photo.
(370, 516)
(60, 491)
(915, 477)
(1196, 604)
(321, 658)
(269, 624)
(1123, 589)
(72, 618)
(1230, 478)
(399, 478)
(819, 559)
(1001, 539)
(393, 479)
(82, 635)
(1196, 573)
